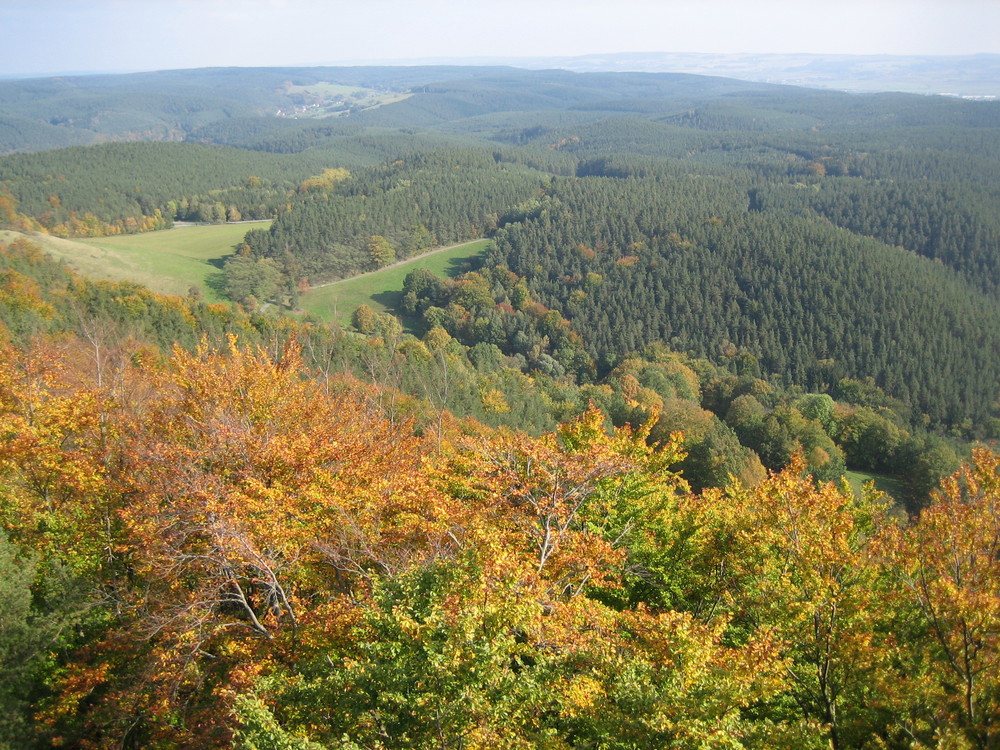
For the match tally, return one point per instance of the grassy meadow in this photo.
(170, 261)
(173, 260)
(891, 486)
(382, 290)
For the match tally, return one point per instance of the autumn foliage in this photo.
(267, 561)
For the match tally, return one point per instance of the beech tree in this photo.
(381, 250)
(949, 573)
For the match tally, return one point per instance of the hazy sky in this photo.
(46, 36)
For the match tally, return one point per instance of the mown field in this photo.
(890, 485)
(382, 290)
(171, 261)
(175, 260)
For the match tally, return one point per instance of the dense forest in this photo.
(242, 543)
(811, 302)
(590, 493)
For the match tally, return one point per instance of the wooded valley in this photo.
(594, 491)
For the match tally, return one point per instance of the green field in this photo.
(382, 290)
(891, 486)
(174, 260)
(334, 99)
(170, 261)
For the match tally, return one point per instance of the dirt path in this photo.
(397, 263)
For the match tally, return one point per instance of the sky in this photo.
(75, 36)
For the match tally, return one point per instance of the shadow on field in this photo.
(390, 300)
(216, 281)
(458, 266)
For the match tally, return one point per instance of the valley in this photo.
(481, 406)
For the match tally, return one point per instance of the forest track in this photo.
(397, 263)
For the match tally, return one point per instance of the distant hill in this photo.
(205, 105)
(44, 113)
(862, 225)
(959, 75)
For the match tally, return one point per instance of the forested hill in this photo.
(632, 261)
(214, 534)
(588, 491)
(825, 235)
(45, 113)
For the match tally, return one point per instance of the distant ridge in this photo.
(973, 76)
(959, 75)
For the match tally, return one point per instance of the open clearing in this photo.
(891, 486)
(170, 261)
(382, 290)
(333, 99)
(173, 260)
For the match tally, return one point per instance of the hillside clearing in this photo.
(382, 290)
(171, 261)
